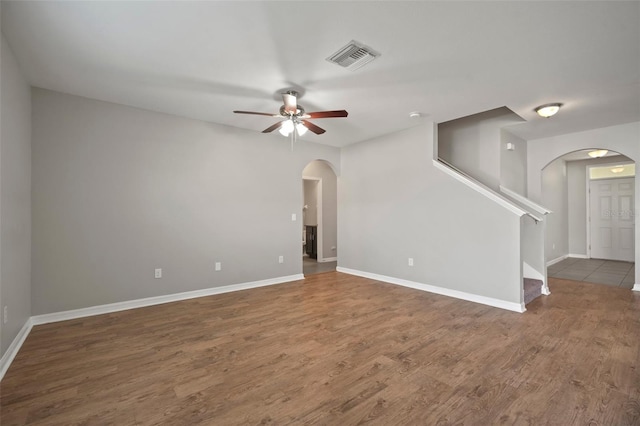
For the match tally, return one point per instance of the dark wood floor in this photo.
(337, 350)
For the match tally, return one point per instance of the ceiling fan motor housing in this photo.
(299, 111)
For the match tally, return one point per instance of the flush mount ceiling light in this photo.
(415, 114)
(548, 110)
(598, 153)
(617, 169)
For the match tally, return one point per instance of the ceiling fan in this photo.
(295, 117)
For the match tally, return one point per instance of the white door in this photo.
(612, 223)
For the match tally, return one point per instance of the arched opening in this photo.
(319, 218)
(590, 236)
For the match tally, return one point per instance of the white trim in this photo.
(529, 272)
(157, 300)
(14, 347)
(481, 189)
(524, 200)
(636, 287)
(578, 256)
(588, 208)
(320, 216)
(497, 303)
(557, 260)
(328, 259)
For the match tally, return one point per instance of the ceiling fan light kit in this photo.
(295, 121)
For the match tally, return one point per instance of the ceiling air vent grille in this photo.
(353, 56)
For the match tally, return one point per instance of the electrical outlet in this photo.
(293, 217)
(158, 273)
(280, 259)
(5, 315)
(553, 246)
(218, 266)
(410, 261)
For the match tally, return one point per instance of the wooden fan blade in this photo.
(257, 113)
(327, 114)
(274, 127)
(315, 129)
(290, 103)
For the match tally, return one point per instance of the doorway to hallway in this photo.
(319, 214)
(590, 235)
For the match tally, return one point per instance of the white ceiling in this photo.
(584, 155)
(445, 59)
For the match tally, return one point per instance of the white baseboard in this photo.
(497, 303)
(557, 260)
(578, 256)
(636, 287)
(14, 347)
(157, 300)
(328, 259)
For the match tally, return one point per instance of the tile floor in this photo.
(310, 266)
(608, 272)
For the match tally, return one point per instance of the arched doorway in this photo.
(590, 236)
(319, 218)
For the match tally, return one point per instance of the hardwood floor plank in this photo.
(336, 349)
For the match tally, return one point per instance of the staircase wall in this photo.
(394, 204)
(474, 145)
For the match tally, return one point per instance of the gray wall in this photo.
(554, 197)
(15, 198)
(310, 190)
(119, 191)
(329, 205)
(577, 200)
(513, 164)
(473, 144)
(393, 203)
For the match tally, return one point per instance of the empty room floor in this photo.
(598, 271)
(335, 349)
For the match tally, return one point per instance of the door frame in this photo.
(320, 257)
(588, 188)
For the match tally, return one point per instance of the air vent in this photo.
(353, 56)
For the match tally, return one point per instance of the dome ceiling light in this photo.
(548, 110)
(598, 153)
